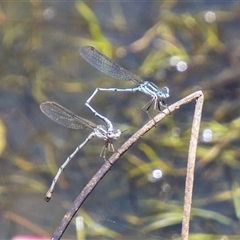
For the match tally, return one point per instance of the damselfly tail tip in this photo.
(48, 197)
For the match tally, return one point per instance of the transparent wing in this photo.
(106, 65)
(65, 117)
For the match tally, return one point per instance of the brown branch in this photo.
(190, 167)
(106, 166)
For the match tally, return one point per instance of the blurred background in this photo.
(184, 45)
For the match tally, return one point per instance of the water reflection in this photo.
(210, 17)
(207, 135)
(49, 13)
(155, 175)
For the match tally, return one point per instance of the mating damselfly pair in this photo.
(106, 132)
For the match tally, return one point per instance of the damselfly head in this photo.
(114, 134)
(163, 93)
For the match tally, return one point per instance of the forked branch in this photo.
(148, 126)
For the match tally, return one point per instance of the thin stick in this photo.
(190, 167)
(108, 164)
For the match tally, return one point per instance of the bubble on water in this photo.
(155, 175)
(174, 60)
(181, 66)
(210, 17)
(207, 135)
(49, 13)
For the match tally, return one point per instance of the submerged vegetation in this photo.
(183, 46)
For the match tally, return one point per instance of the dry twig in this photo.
(148, 126)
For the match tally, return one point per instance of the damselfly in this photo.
(69, 119)
(112, 69)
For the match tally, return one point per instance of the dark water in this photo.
(40, 61)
